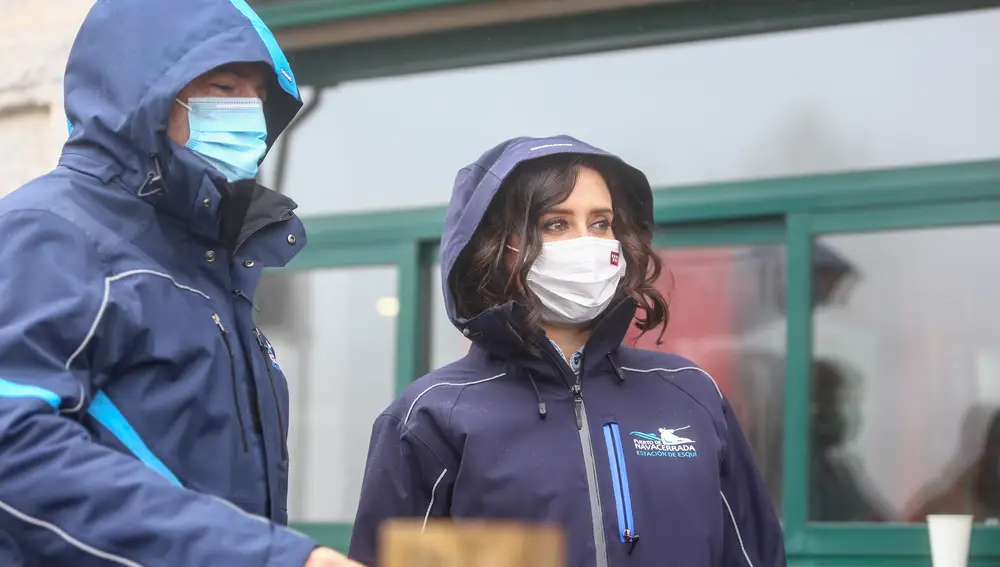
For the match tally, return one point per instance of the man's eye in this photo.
(223, 88)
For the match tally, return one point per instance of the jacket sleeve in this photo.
(405, 477)
(66, 500)
(753, 535)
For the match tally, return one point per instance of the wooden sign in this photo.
(404, 543)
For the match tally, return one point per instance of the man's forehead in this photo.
(257, 71)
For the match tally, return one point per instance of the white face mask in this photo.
(576, 279)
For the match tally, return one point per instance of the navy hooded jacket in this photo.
(142, 414)
(638, 457)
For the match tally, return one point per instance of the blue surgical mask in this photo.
(228, 133)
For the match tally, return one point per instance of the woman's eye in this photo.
(603, 224)
(556, 224)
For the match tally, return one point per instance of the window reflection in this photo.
(906, 377)
(334, 333)
(726, 315)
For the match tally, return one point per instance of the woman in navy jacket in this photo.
(546, 260)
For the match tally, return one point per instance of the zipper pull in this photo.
(577, 392)
(631, 539)
(218, 323)
(260, 339)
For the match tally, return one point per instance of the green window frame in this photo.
(859, 543)
(789, 210)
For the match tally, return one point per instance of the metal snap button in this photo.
(248, 263)
(210, 255)
(291, 239)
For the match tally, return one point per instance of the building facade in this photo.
(35, 38)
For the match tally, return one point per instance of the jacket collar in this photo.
(190, 191)
(493, 332)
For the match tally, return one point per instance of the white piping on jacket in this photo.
(117, 559)
(673, 370)
(737, 528)
(432, 386)
(427, 514)
(104, 305)
(79, 404)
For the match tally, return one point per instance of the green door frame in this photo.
(792, 210)
(403, 253)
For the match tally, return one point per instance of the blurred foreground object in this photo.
(405, 543)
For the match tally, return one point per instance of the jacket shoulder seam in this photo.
(416, 399)
(89, 241)
(106, 297)
(675, 371)
(406, 429)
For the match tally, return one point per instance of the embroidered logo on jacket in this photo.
(266, 348)
(666, 444)
(271, 355)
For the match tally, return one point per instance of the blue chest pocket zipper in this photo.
(619, 477)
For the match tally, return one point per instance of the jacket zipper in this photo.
(589, 462)
(232, 375)
(619, 476)
(265, 351)
(239, 293)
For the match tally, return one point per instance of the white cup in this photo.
(950, 534)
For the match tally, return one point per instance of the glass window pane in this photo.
(824, 99)
(446, 344)
(727, 309)
(335, 339)
(906, 376)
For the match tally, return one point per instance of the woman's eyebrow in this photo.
(565, 211)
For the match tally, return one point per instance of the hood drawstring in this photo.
(154, 180)
(542, 412)
(618, 371)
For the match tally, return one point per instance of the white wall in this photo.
(883, 94)
(35, 38)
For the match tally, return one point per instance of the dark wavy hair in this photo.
(481, 278)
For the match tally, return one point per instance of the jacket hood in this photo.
(127, 65)
(475, 187)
